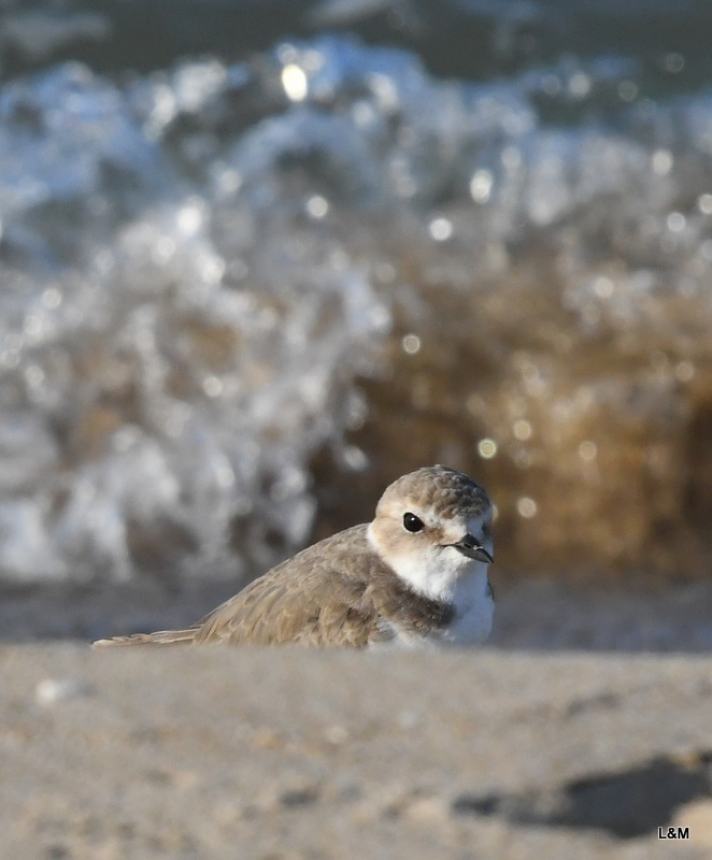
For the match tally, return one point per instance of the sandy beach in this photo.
(300, 754)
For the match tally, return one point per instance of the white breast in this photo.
(472, 624)
(474, 609)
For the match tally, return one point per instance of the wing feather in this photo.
(315, 598)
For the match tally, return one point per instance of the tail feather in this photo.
(160, 637)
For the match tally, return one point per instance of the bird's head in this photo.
(432, 527)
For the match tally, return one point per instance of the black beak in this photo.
(472, 549)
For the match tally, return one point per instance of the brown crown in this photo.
(445, 490)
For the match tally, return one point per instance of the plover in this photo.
(416, 574)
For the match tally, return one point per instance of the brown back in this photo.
(336, 592)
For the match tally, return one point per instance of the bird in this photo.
(416, 575)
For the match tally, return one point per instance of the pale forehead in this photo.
(444, 492)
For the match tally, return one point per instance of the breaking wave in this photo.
(220, 280)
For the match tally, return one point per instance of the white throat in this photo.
(447, 576)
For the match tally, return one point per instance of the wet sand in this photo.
(297, 754)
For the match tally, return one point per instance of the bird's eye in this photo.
(412, 523)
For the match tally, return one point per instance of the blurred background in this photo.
(259, 258)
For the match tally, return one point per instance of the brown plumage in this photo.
(334, 593)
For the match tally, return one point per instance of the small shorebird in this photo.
(417, 573)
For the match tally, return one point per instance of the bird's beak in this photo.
(473, 549)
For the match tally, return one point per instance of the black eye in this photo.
(412, 523)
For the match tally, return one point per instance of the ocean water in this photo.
(239, 295)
